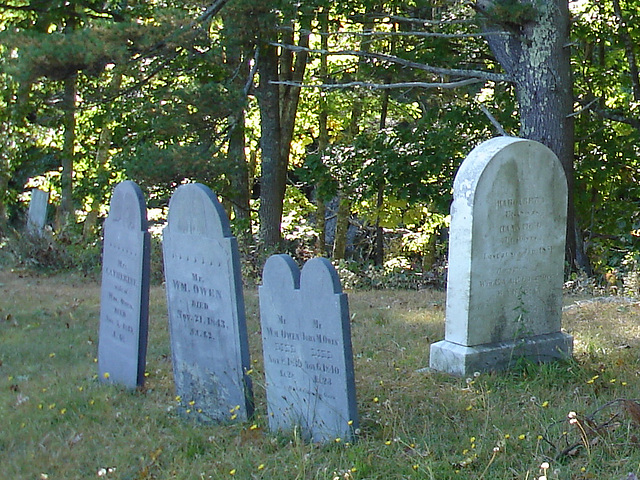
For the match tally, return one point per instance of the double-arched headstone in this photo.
(308, 361)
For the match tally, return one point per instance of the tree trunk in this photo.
(378, 256)
(278, 109)
(4, 188)
(535, 53)
(290, 95)
(240, 175)
(241, 193)
(6, 128)
(323, 137)
(342, 226)
(274, 167)
(67, 213)
(235, 43)
(102, 156)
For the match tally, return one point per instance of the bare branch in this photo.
(420, 21)
(415, 34)
(494, 121)
(360, 33)
(583, 109)
(496, 77)
(211, 11)
(612, 115)
(252, 74)
(386, 86)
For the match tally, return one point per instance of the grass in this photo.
(60, 422)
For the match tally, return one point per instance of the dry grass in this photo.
(59, 422)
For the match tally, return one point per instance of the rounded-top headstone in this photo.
(128, 207)
(124, 302)
(207, 325)
(281, 273)
(506, 258)
(320, 276)
(194, 209)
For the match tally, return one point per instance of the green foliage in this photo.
(176, 122)
(607, 155)
(397, 273)
(52, 252)
(182, 82)
(32, 251)
(512, 12)
(415, 160)
(296, 212)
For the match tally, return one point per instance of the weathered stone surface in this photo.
(308, 359)
(506, 259)
(124, 301)
(38, 206)
(206, 307)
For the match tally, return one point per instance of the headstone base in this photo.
(462, 361)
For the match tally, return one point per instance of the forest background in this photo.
(325, 127)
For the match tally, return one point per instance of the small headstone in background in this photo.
(506, 259)
(124, 298)
(206, 308)
(308, 360)
(38, 206)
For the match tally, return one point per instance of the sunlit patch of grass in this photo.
(60, 421)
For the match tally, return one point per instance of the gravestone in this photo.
(306, 338)
(206, 308)
(124, 295)
(37, 215)
(506, 260)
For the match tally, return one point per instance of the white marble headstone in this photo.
(124, 297)
(206, 308)
(308, 359)
(38, 206)
(506, 259)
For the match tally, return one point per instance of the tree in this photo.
(273, 164)
(47, 47)
(534, 50)
(606, 35)
(278, 108)
(530, 40)
(57, 53)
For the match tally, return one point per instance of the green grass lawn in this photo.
(59, 422)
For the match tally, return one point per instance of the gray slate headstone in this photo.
(308, 361)
(506, 259)
(206, 308)
(124, 298)
(38, 206)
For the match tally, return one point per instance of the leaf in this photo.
(75, 438)
(633, 409)
(574, 451)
